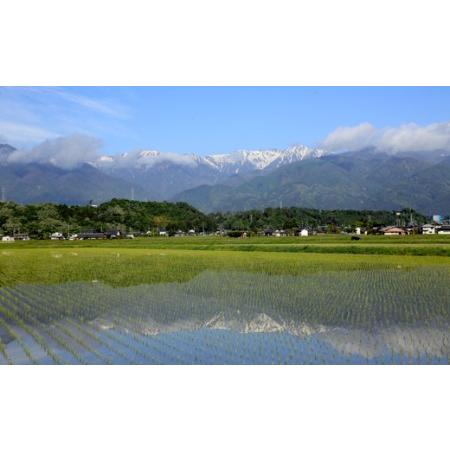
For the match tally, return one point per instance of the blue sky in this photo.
(207, 120)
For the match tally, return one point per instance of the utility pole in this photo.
(132, 193)
(3, 194)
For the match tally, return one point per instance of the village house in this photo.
(393, 231)
(91, 235)
(304, 233)
(21, 237)
(443, 229)
(57, 236)
(7, 239)
(428, 229)
(112, 234)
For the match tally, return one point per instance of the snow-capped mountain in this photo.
(164, 175)
(262, 159)
(155, 175)
(234, 162)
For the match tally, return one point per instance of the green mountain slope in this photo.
(357, 180)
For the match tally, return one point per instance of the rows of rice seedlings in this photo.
(119, 338)
(122, 322)
(137, 347)
(63, 328)
(18, 312)
(52, 301)
(8, 316)
(115, 343)
(387, 316)
(54, 332)
(5, 355)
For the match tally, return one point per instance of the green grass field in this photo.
(147, 260)
(205, 300)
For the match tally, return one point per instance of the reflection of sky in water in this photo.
(235, 318)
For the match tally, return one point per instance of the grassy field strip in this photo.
(164, 242)
(333, 248)
(137, 268)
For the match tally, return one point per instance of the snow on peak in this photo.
(260, 159)
(106, 159)
(234, 162)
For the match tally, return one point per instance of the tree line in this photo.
(38, 221)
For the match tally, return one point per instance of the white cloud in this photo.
(147, 158)
(21, 133)
(65, 152)
(414, 137)
(95, 105)
(407, 137)
(349, 138)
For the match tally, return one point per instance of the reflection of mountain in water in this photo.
(373, 315)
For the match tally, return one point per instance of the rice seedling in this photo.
(163, 305)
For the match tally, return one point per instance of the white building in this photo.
(428, 229)
(56, 236)
(7, 239)
(443, 229)
(304, 232)
(358, 230)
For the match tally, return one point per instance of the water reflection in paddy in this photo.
(355, 317)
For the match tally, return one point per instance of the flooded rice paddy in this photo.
(386, 316)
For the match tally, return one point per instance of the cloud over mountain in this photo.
(408, 137)
(64, 152)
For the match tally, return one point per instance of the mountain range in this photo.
(296, 176)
